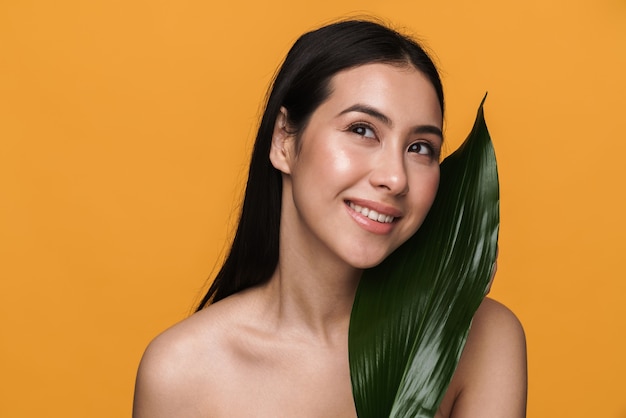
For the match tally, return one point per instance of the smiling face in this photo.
(365, 170)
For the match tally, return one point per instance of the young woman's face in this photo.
(366, 169)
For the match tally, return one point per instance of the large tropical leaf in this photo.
(412, 313)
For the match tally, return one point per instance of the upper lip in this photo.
(379, 207)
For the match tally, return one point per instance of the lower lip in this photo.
(378, 228)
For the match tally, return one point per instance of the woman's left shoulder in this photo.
(491, 377)
(493, 319)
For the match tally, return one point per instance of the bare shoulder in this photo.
(491, 378)
(494, 320)
(183, 362)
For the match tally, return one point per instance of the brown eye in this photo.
(421, 148)
(363, 130)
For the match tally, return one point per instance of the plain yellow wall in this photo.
(125, 128)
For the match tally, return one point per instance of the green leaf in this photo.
(412, 313)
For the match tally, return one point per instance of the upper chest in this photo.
(262, 378)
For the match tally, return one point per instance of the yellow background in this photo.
(125, 128)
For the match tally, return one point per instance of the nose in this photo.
(389, 172)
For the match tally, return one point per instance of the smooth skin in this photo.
(281, 349)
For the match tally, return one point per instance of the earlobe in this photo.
(281, 138)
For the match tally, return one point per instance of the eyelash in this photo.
(362, 127)
(429, 147)
(358, 126)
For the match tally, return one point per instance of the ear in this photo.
(282, 144)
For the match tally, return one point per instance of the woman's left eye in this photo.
(364, 131)
(421, 148)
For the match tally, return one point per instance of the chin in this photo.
(367, 263)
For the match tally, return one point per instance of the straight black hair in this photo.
(301, 85)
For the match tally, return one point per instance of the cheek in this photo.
(434, 186)
(331, 162)
(427, 186)
(336, 161)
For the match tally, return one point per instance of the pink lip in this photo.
(378, 207)
(378, 228)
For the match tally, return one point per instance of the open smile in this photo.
(371, 213)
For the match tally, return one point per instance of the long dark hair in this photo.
(301, 85)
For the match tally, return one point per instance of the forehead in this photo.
(401, 91)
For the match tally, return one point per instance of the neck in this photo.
(312, 289)
(310, 297)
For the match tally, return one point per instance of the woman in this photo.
(344, 169)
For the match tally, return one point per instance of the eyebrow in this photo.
(368, 110)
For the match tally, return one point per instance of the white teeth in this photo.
(372, 214)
